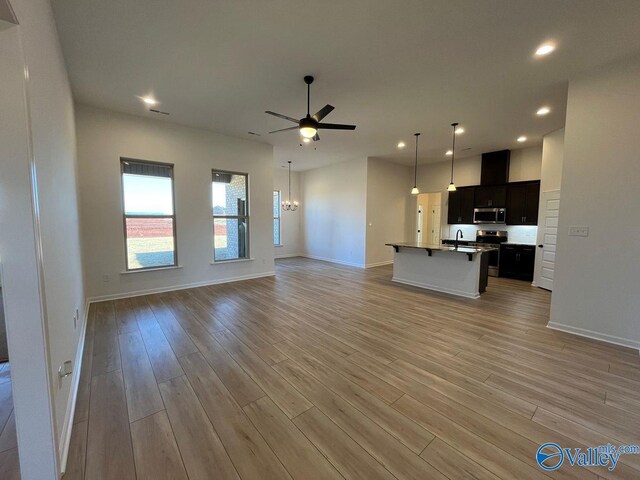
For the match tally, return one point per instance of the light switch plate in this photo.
(579, 231)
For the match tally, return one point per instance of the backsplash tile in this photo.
(517, 233)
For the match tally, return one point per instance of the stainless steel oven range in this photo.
(492, 238)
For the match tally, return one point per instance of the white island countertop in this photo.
(441, 267)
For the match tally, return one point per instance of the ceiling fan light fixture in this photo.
(308, 132)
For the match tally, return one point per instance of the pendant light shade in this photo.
(414, 190)
(287, 205)
(452, 186)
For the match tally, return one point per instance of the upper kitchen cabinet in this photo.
(522, 203)
(461, 206)
(491, 196)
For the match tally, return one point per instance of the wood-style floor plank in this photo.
(75, 469)
(106, 353)
(248, 450)
(353, 462)
(201, 448)
(154, 449)
(327, 371)
(109, 452)
(175, 334)
(298, 455)
(390, 452)
(163, 360)
(143, 396)
(10, 465)
(453, 463)
(8, 439)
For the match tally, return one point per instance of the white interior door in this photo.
(547, 238)
(435, 225)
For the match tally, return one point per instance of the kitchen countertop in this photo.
(519, 244)
(441, 248)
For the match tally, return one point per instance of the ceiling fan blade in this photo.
(284, 129)
(316, 137)
(323, 112)
(336, 126)
(282, 116)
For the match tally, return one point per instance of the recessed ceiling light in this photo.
(149, 100)
(521, 139)
(543, 111)
(449, 152)
(459, 130)
(545, 49)
(401, 145)
(306, 140)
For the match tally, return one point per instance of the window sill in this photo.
(222, 262)
(155, 269)
(279, 245)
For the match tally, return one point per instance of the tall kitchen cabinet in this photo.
(522, 203)
(461, 206)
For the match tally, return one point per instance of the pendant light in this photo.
(414, 190)
(452, 186)
(286, 204)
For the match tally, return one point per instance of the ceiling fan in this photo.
(310, 124)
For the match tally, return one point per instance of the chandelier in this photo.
(287, 205)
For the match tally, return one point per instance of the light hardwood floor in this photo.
(328, 372)
(9, 467)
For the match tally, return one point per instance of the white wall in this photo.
(596, 282)
(290, 231)
(104, 137)
(41, 254)
(388, 199)
(334, 201)
(552, 155)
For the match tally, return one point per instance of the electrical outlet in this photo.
(105, 278)
(579, 231)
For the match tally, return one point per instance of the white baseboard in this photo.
(379, 264)
(333, 260)
(67, 426)
(426, 286)
(624, 342)
(289, 255)
(171, 288)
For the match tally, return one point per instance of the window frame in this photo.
(279, 218)
(125, 216)
(246, 217)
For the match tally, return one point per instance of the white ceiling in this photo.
(390, 67)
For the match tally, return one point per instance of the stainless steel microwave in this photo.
(489, 215)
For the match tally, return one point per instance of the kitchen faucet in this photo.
(461, 236)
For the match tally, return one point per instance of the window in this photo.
(276, 217)
(149, 216)
(230, 206)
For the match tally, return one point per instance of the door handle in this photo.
(540, 246)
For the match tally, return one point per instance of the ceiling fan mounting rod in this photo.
(308, 79)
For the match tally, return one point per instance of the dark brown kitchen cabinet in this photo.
(490, 196)
(517, 261)
(461, 206)
(522, 203)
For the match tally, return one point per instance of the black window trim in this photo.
(175, 264)
(237, 217)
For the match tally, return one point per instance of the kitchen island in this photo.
(461, 271)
